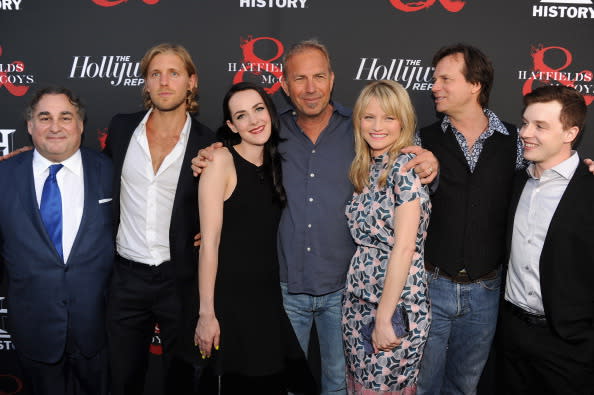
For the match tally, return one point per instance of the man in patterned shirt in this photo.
(464, 250)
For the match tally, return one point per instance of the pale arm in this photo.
(406, 219)
(211, 194)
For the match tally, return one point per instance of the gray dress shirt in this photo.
(315, 246)
(536, 207)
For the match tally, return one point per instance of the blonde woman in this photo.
(388, 217)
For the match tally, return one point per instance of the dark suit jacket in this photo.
(567, 261)
(184, 218)
(45, 296)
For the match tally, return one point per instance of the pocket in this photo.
(492, 285)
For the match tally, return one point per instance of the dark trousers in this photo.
(140, 296)
(537, 361)
(73, 374)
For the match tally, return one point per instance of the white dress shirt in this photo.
(70, 180)
(535, 210)
(146, 198)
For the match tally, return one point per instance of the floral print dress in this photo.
(371, 221)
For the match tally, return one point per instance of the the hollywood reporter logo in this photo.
(111, 3)
(12, 79)
(549, 75)
(413, 6)
(269, 72)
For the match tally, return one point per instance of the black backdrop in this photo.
(93, 47)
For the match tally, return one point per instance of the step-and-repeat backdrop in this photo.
(94, 46)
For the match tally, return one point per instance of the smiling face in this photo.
(452, 93)
(55, 127)
(308, 82)
(546, 142)
(249, 117)
(168, 82)
(378, 129)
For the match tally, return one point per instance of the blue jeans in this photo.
(326, 310)
(463, 321)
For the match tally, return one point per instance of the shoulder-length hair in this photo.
(394, 100)
(272, 157)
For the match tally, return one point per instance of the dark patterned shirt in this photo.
(472, 155)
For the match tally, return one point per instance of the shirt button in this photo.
(312, 175)
(309, 225)
(308, 249)
(530, 293)
(313, 151)
(526, 267)
(310, 199)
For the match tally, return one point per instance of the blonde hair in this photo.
(394, 100)
(184, 55)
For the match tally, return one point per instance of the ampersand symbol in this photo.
(16, 90)
(539, 65)
(450, 5)
(260, 66)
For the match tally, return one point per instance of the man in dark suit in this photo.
(156, 218)
(57, 243)
(548, 315)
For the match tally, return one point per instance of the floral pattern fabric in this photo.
(371, 220)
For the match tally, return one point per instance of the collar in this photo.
(495, 123)
(287, 106)
(565, 169)
(41, 164)
(183, 136)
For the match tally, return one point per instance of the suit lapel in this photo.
(568, 200)
(185, 175)
(119, 143)
(27, 195)
(90, 185)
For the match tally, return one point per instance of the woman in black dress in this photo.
(242, 323)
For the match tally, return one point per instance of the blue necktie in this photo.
(51, 208)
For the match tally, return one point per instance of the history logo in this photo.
(413, 6)
(10, 5)
(553, 65)
(272, 3)
(6, 141)
(13, 77)
(260, 63)
(5, 342)
(580, 9)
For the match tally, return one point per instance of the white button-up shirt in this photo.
(70, 180)
(146, 198)
(535, 210)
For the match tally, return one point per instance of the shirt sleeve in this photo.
(406, 184)
(521, 163)
(417, 140)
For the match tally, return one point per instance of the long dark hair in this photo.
(272, 158)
